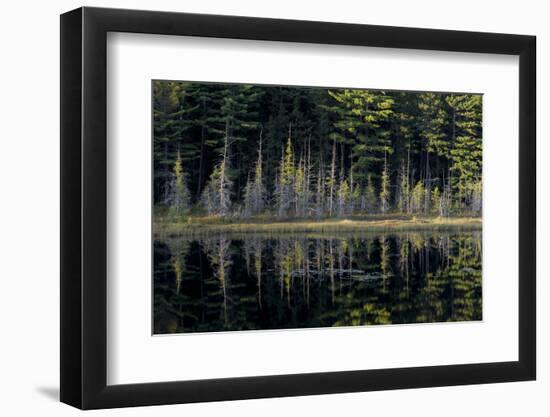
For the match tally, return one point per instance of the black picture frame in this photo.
(84, 207)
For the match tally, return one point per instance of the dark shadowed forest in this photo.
(242, 151)
(234, 282)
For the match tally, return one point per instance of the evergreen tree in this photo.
(436, 201)
(255, 193)
(248, 199)
(205, 121)
(385, 189)
(331, 181)
(260, 194)
(431, 127)
(320, 194)
(466, 153)
(284, 192)
(369, 200)
(239, 117)
(170, 108)
(355, 192)
(216, 197)
(418, 196)
(343, 198)
(300, 189)
(361, 120)
(181, 196)
(404, 189)
(477, 197)
(347, 151)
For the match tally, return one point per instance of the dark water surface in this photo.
(227, 281)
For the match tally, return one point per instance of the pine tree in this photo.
(361, 121)
(299, 189)
(436, 201)
(204, 120)
(254, 191)
(404, 189)
(343, 198)
(445, 202)
(417, 197)
(216, 196)
(369, 200)
(331, 181)
(466, 153)
(170, 106)
(181, 196)
(477, 197)
(284, 192)
(355, 192)
(320, 192)
(431, 126)
(307, 198)
(260, 194)
(239, 118)
(248, 199)
(385, 189)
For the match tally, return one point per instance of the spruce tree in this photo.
(181, 196)
(343, 198)
(404, 189)
(436, 201)
(385, 189)
(418, 196)
(331, 181)
(216, 197)
(369, 200)
(284, 192)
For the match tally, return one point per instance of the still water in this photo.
(226, 282)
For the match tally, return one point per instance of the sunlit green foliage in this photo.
(180, 197)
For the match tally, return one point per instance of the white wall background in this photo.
(29, 210)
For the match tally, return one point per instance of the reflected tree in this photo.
(253, 281)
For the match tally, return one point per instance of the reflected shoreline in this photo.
(232, 281)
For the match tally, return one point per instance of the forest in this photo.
(238, 151)
(294, 207)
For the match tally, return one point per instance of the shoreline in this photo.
(194, 227)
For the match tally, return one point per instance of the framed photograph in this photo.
(256, 208)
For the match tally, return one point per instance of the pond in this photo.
(231, 281)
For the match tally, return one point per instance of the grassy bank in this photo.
(203, 225)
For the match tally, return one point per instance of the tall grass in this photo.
(373, 223)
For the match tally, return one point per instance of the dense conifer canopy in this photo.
(246, 150)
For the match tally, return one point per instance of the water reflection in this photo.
(228, 282)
